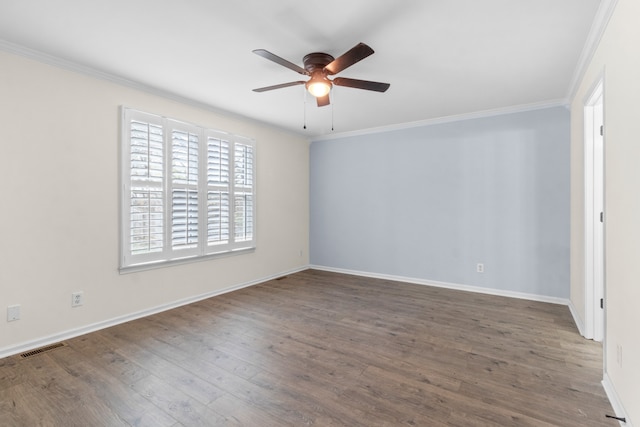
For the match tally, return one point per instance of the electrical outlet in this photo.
(480, 268)
(77, 298)
(13, 313)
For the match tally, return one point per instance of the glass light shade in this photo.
(318, 88)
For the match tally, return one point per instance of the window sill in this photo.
(187, 260)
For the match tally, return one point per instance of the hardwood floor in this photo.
(322, 349)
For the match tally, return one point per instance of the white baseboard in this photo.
(617, 406)
(577, 320)
(454, 286)
(72, 333)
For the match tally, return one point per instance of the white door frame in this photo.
(593, 209)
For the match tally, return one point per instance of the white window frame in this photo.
(235, 186)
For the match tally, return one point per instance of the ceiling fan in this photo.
(319, 66)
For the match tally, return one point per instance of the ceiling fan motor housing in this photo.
(316, 61)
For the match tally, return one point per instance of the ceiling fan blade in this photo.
(280, 86)
(355, 54)
(323, 100)
(275, 58)
(361, 84)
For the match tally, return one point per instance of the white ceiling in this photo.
(442, 57)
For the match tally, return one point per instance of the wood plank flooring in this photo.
(321, 349)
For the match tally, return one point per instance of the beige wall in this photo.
(59, 136)
(619, 58)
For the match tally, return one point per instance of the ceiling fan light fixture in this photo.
(318, 66)
(318, 86)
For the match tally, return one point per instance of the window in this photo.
(187, 191)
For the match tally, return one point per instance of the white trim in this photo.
(600, 21)
(134, 268)
(576, 319)
(72, 333)
(615, 401)
(453, 286)
(593, 204)
(75, 67)
(55, 61)
(447, 119)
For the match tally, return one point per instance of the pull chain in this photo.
(333, 102)
(304, 107)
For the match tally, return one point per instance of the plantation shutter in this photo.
(243, 214)
(218, 201)
(187, 191)
(184, 187)
(144, 189)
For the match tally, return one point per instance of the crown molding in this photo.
(448, 119)
(75, 67)
(599, 25)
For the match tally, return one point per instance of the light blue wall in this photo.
(431, 202)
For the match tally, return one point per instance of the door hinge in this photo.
(601, 302)
(601, 216)
(601, 130)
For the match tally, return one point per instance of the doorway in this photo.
(594, 213)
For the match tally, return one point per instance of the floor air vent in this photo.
(42, 349)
